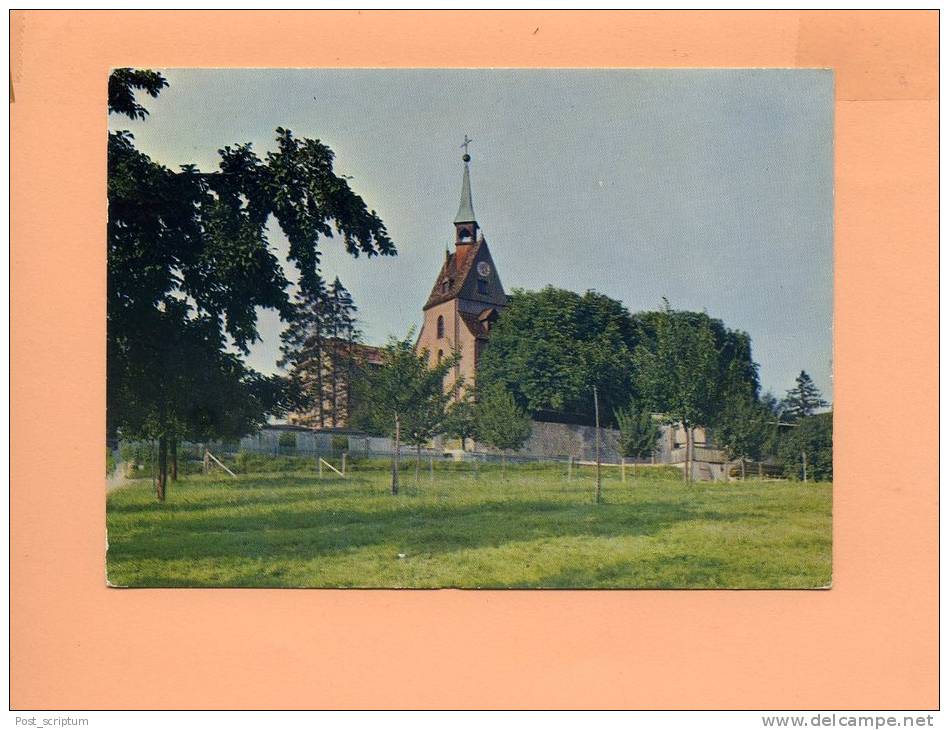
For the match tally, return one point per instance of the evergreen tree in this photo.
(303, 351)
(803, 400)
(341, 361)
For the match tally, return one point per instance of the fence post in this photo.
(319, 464)
(344, 463)
(431, 468)
(622, 467)
(569, 468)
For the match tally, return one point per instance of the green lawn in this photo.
(534, 530)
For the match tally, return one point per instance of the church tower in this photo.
(467, 296)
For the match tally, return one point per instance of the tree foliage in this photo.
(461, 417)
(638, 432)
(811, 439)
(745, 427)
(404, 397)
(803, 400)
(189, 266)
(320, 352)
(678, 367)
(551, 347)
(123, 82)
(500, 421)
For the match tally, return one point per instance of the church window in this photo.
(445, 286)
(441, 354)
(482, 286)
(464, 235)
(440, 328)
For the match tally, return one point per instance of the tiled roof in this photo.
(455, 270)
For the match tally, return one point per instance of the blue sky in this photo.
(712, 188)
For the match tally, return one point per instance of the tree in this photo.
(803, 400)
(320, 353)
(461, 418)
(403, 395)
(809, 445)
(638, 432)
(744, 428)
(680, 374)
(302, 352)
(501, 423)
(551, 347)
(342, 355)
(189, 266)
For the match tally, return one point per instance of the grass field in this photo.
(534, 530)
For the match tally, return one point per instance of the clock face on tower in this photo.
(484, 268)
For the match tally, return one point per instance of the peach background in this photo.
(870, 642)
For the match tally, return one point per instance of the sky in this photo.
(711, 188)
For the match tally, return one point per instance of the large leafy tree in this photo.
(189, 265)
(679, 373)
(551, 347)
(404, 397)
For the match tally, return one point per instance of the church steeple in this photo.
(466, 225)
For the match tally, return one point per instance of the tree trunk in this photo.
(418, 461)
(162, 467)
(685, 467)
(319, 381)
(689, 454)
(596, 411)
(743, 470)
(502, 467)
(174, 459)
(350, 370)
(333, 387)
(395, 459)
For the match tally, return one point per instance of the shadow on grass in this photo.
(301, 526)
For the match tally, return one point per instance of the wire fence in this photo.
(135, 460)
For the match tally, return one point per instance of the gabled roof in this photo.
(456, 269)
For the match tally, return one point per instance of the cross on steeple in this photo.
(465, 145)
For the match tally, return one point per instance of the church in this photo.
(467, 296)
(464, 304)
